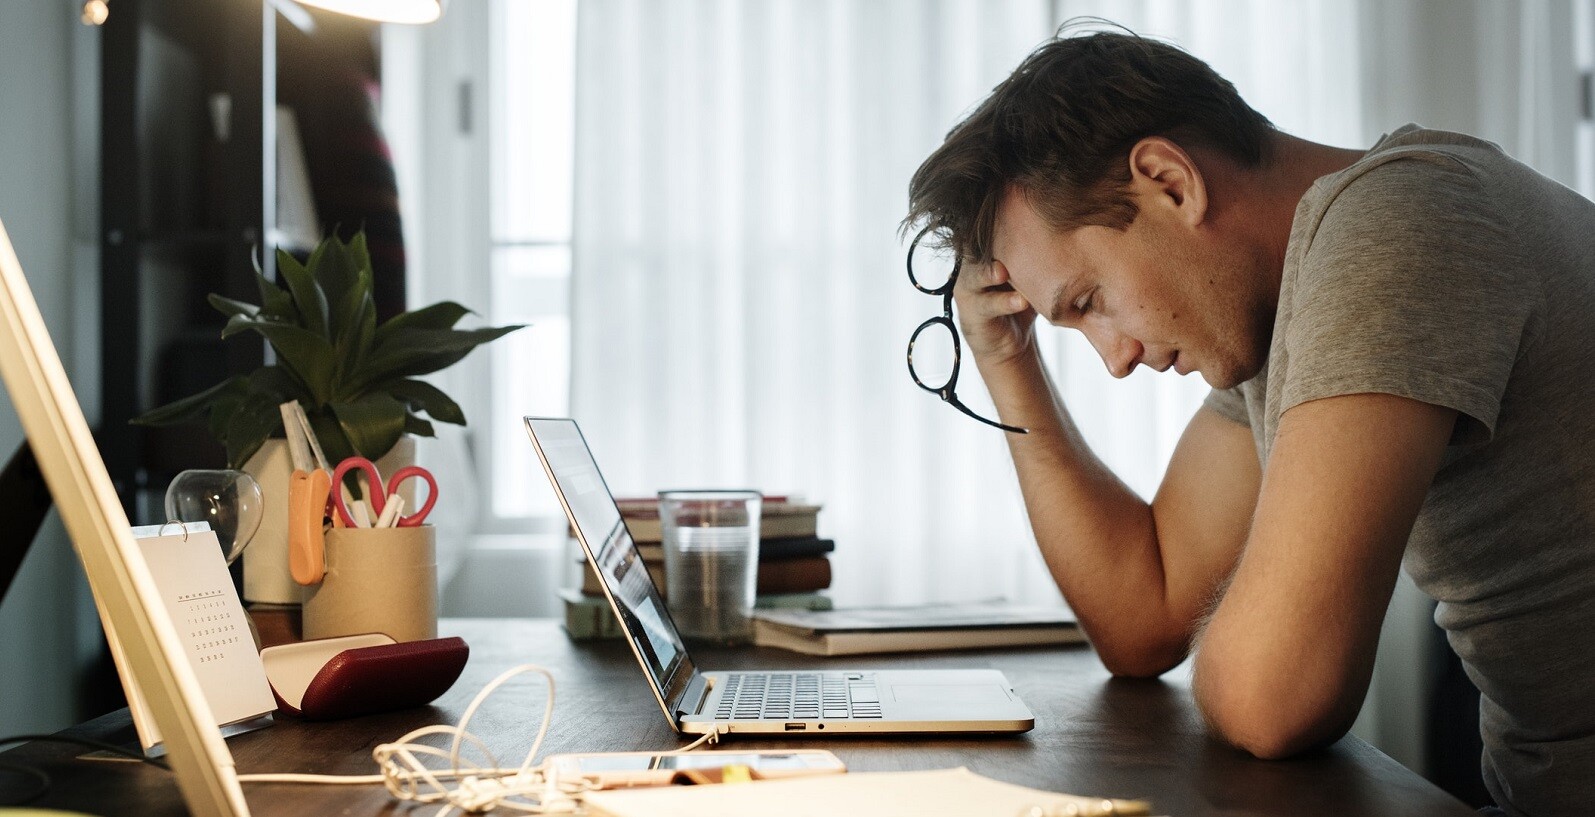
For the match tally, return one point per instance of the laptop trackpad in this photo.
(976, 693)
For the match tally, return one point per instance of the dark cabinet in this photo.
(190, 201)
(187, 118)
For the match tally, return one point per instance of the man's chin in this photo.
(1228, 377)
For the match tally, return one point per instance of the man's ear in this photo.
(1163, 174)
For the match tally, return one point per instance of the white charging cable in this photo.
(464, 785)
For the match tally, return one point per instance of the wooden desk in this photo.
(1094, 735)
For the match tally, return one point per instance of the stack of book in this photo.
(794, 563)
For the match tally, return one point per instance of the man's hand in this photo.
(998, 324)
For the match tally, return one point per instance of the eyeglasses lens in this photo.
(931, 265)
(932, 355)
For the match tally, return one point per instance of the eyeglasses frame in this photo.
(946, 392)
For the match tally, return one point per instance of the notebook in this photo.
(877, 794)
(973, 625)
(796, 702)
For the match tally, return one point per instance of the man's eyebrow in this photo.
(1060, 304)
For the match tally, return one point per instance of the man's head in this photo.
(1088, 177)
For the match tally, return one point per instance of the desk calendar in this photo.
(187, 563)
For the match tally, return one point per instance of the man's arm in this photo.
(1139, 575)
(1285, 661)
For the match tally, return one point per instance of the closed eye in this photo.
(1083, 304)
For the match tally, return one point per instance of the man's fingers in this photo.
(997, 274)
(996, 302)
(1010, 303)
(984, 278)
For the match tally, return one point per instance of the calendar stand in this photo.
(187, 565)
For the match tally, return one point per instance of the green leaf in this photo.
(334, 443)
(304, 354)
(246, 323)
(255, 418)
(422, 395)
(354, 325)
(188, 408)
(417, 426)
(441, 315)
(221, 413)
(312, 302)
(424, 351)
(275, 302)
(336, 267)
(360, 253)
(277, 381)
(373, 423)
(230, 307)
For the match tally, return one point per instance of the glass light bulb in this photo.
(229, 500)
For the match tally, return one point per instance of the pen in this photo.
(391, 511)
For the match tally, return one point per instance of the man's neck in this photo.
(1292, 166)
(1252, 209)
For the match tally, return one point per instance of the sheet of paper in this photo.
(210, 621)
(947, 792)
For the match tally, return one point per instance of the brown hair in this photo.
(1060, 128)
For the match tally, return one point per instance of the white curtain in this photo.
(1503, 71)
(741, 312)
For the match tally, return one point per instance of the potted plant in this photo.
(356, 379)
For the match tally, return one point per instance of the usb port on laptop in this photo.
(796, 727)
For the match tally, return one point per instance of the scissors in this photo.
(379, 492)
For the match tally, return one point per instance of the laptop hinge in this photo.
(692, 698)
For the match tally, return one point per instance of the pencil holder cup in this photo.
(379, 580)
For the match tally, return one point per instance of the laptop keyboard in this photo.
(798, 696)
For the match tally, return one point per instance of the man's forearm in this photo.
(1098, 537)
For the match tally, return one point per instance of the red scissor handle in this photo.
(399, 476)
(379, 496)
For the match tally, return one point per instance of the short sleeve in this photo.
(1410, 285)
(1230, 404)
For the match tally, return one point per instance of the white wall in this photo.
(48, 114)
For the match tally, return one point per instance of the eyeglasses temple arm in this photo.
(957, 404)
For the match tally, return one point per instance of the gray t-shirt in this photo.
(1438, 268)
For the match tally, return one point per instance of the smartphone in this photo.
(618, 770)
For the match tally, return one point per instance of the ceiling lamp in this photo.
(384, 11)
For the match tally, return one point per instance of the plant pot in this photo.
(266, 577)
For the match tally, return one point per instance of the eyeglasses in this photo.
(937, 368)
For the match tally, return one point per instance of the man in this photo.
(1395, 340)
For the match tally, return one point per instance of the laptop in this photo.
(795, 702)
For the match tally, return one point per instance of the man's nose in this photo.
(1119, 352)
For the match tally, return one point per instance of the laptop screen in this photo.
(592, 510)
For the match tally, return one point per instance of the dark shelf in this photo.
(201, 238)
(187, 113)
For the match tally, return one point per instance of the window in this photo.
(1584, 54)
(531, 110)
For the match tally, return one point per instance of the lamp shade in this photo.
(384, 11)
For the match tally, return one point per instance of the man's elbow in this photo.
(1267, 725)
(1269, 738)
(1143, 658)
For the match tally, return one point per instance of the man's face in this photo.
(1158, 293)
